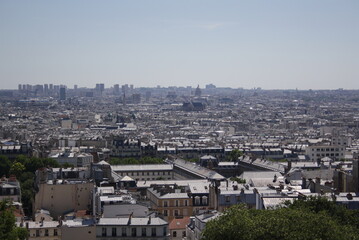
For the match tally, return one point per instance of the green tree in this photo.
(5, 165)
(67, 165)
(8, 229)
(234, 155)
(292, 222)
(134, 161)
(17, 169)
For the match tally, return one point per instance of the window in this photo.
(55, 232)
(143, 173)
(153, 232)
(164, 231)
(176, 212)
(183, 234)
(144, 232)
(46, 232)
(174, 234)
(204, 200)
(104, 232)
(148, 174)
(165, 213)
(186, 202)
(177, 203)
(124, 232)
(114, 232)
(228, 199)
(197, 200)
(133, 232)
(37, 233)
(165, 204)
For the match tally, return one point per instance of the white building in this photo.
(317, 152)
(145, 172)
(132, 228)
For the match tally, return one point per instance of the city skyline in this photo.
(272, 45)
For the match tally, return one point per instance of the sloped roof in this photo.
(179, 223)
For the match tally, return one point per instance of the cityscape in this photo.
(126, 162)
(179, 120)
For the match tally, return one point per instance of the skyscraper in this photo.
(116, 89)
(62, 93)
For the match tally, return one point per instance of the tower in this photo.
(198, 92)
(62, 93)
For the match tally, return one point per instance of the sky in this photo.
(303, 44)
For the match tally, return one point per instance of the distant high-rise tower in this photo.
(198, 92)
(116, 89)
(100, 87)
(46, 89)
(20, 87)
(62, 93)
(148, 96)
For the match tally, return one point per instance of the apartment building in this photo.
(44, 230)
(145, 172)
(10, 189)
(317, 152)
(170, 201)
(132, 228)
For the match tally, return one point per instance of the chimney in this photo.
(129, 219)
(27, 225)
(317, 180)
(289, 165)
(149, 220)
(304, 183)
(60, 221)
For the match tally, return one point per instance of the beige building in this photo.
(78, 229)
(59, 197)
(44, 230)
(170, 202)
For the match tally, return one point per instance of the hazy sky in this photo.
(304, 44)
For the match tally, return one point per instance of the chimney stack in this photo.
(129, 219)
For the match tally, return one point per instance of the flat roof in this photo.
(144, 167)
(155, 221)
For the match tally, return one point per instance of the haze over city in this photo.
(267, 44)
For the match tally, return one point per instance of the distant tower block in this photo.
(116, 89)
(198, 92)
(62, 93)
